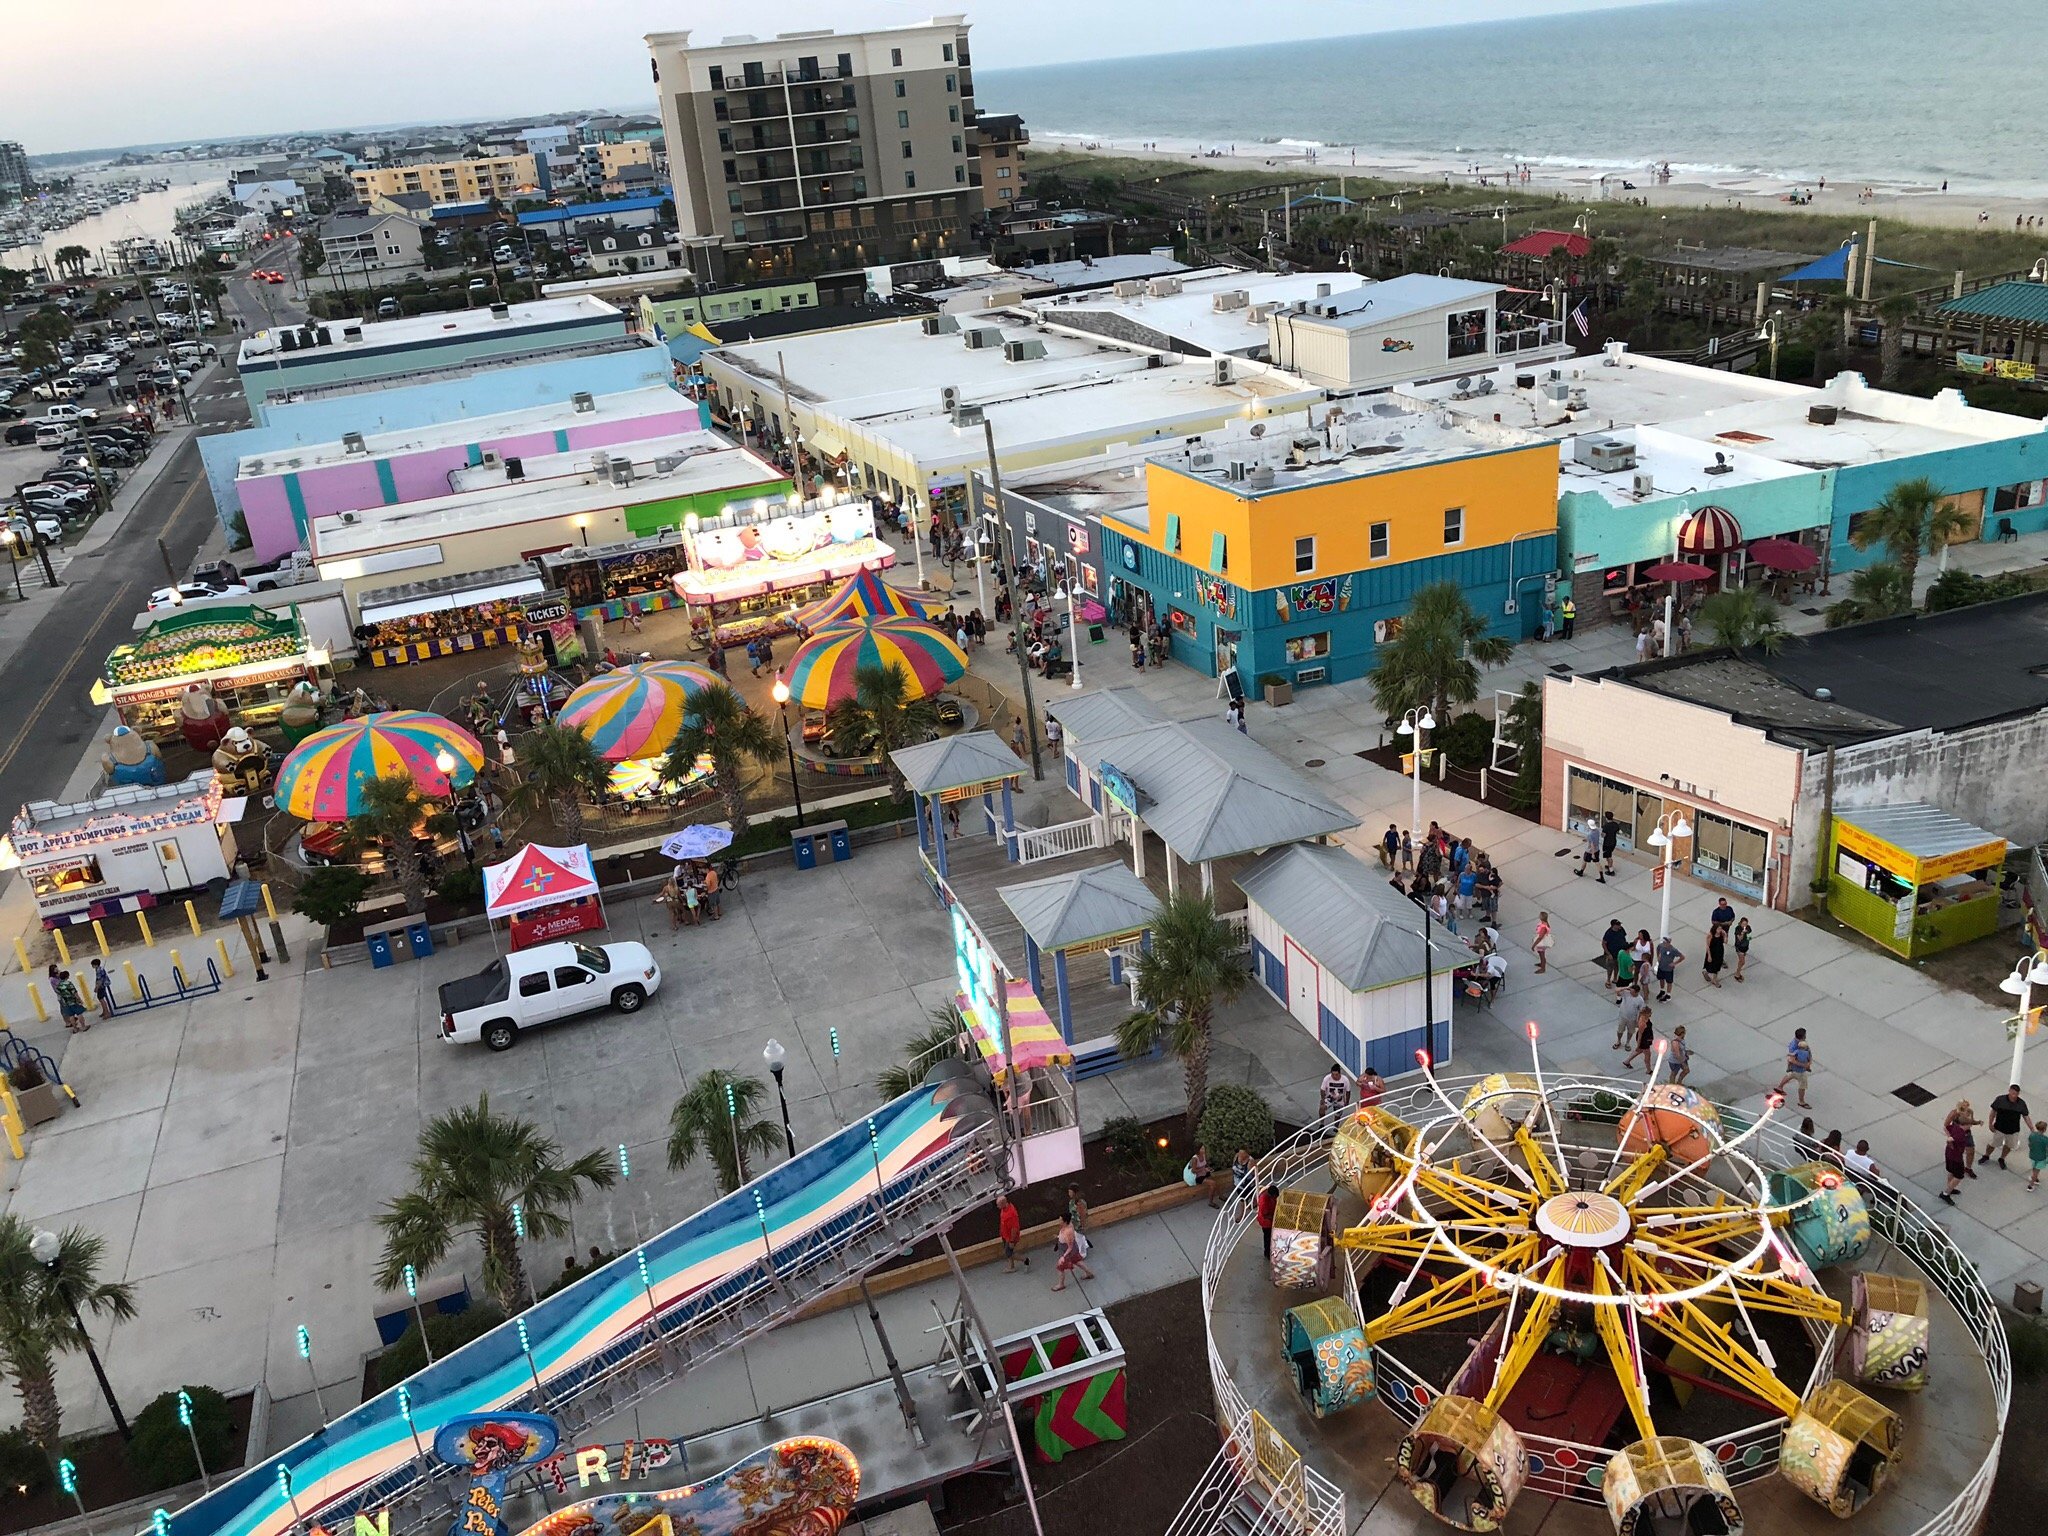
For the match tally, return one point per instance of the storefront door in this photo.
(1301, 984)
(1226, 649)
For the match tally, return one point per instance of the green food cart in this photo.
(1913, 877)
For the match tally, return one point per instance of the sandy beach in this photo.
(1591, 185)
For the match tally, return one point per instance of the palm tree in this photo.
(72, 259)
(39, 1304)
(941, 1037)
(715, 1117)
(1742, 617)
(1876, 592)
(1434, 661)
(1523, 731)
(473, 1166)
(1891, 345)
(396, 815)
(722, 727)
(561, 768)
(1190, 967)
(881, 716)
(1914, 518)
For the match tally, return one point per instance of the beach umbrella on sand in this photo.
(322, 778)
(634, 712)
(1783, 555)
(821, 671)
(865, 596)
(1678, 570)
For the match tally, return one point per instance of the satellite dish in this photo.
(1258, 429)
(1464, 383)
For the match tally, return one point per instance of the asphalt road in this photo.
(46, 682)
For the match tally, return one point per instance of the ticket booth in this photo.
(1913, 877)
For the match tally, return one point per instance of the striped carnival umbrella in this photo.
(865, 596)
(821, 670)
(635, 712)
(322, 778)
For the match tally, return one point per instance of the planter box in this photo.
(40, 1104)
(1279, 693)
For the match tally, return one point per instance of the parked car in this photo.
(52, 435)
(20, 434)
(75, 414)
(60, 499)
(189, 591)
(57, 389)
(42, 526)
(542, 985)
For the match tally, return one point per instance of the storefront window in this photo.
(1181, 623)
(1648, 809)
(71, 875)
(1308, 647)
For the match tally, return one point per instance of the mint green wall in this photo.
(1592, 532)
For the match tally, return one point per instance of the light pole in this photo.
(1671, 826)
(781, 695)
(192, 1434)
(305, 1336)
(12, 540)
(412, 1289)
(776, 1057)
(2029, 973)
(1413, 723)
(1073, 633)
(47, 1249)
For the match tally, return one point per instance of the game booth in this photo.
(248, 660)
(544, 894)
(749, 579)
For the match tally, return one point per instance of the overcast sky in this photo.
(100, 73)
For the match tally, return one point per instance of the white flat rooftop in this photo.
(625, 406)
(412, 330)
(1191, 315)
(1871, 426)
(1412, 293)
(1635, 392)
(502, 506)
(1677, 466)
(579, 461)
(1100, 269)
(1370, 437)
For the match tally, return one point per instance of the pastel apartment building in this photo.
(453, 181)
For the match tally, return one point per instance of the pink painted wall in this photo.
(268, 514)
(416, 476)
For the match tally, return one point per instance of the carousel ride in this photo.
(1603, 1293)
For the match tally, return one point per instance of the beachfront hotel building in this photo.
(475, 180)
(820, 153)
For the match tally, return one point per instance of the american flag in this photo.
(1579, 319)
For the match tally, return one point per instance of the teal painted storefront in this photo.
(1334, 618)
(1986, 468)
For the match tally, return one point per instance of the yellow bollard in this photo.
(192, 917)
(227, 966)
(142, 920)
(99, 933)
(177, 964)
(134, 986)
(63, 949)
(21, 949)
(269, 906)
(35, 996)
(11, 1122)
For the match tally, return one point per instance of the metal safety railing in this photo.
(1036, 844)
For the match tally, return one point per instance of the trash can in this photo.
(842, 844)
(380, 949)
(806, 848)
(422, 938)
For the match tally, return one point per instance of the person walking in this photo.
(1717, 955)
(1335, 1095)
(1017, 737)
(70, 1006)
(1955, 1157)
(102, 988)
(1669, 959)
(1390, 846)
(1055, 737)
(1072, 1249)
(1799, 1067)
(1010, 1228)
(1610, 835)
(1628, 967)
(1646, 1043)
(1590, 854)
(1407, 854)
(2008, 1123)
(1741, 942)
(2037, 1152)
(1723, 915)
(1628, 1013)
(1077, 1212)
(1612, 943)
(1540, 945)
(1269, 1202)
(1242, 1174)
(1678, 1056)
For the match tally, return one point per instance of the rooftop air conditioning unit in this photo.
(1163, 287)
(979, 338)
(1023, 351)
(1322, 290)
(1258, 314)
(1237, 471)
(501, 311)
(1823, 415)
(1525, 381)
(490, 459)
(253, 467)
(664, 463)
(353, 331)
(1260, 478)
(352, 442)
(939, 325)
(583, 401)
(1645, 485)
(1608, 455)
(949, 398)
(1156, 360)
(622, 471)
(1558, 390)
(1202, 459)
(1235, 298)
(1128, 288)
(351, 518)
(968, 415)
(515, 469)
(1224, 370)
(601, 462)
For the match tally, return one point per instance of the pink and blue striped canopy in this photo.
(864, 596)
(821, 672)
(635, 712)
(322, 778)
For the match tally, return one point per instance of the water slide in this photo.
(733, 1270)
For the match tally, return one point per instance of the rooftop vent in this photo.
(980, 337)
(583, 401)
(352, 442)
(501, 311)
(664, 463)
(1823, 415)
(1128, 288)
(515, 469)
(938, 325)
(1163, 287)
(1235, 298)
(1322, 290)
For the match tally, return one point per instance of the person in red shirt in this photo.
(1269, 1200)
(1010, 1228)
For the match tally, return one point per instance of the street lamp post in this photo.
(2029, 973)
(305, 1336)
(12, 541)
(777, 1058)
(781, 695)
(1671, 826)
(47, 1248)
(412, 1289)
(1413, 724)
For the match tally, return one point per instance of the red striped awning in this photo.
(1709, 531)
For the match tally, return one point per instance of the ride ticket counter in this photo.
(1913, 877)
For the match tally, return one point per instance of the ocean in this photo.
(1898, 92)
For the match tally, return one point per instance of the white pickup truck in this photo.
(531, 987)
(291, 571)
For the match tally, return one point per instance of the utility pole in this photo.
(995, 485)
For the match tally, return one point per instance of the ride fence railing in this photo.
(1745, 1455)
(1037, 844)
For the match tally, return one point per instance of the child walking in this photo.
(2037, 1152)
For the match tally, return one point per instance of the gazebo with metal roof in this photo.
(1104, 909)
(955, 768)
(2008, 312)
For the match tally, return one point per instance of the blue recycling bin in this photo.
(842, 844)
(806, 848)
(380, 950)
(422, 938)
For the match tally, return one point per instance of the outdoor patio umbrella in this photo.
(821, 670)
(1783, 555)
(322, 778)
(1678, 570)
(635, 712)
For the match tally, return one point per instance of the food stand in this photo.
(750, 573)
(1913, 877)
(249, 658)
(600, 581)
(124, 851)
(544, 894)
(445, 616)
